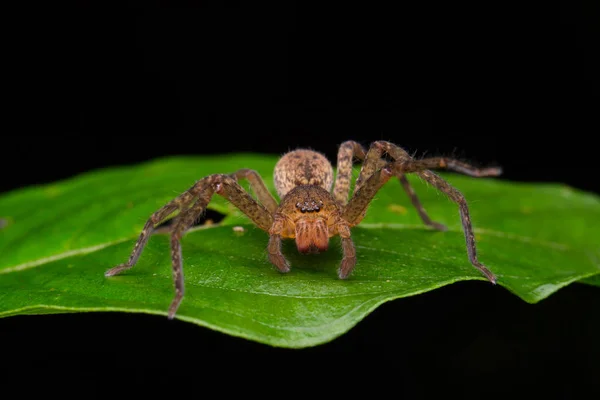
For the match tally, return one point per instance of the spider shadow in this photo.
(322, 264)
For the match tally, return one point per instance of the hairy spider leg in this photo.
(356, 208)
(276, 257)
(203, 190)
(417, 204)
(350, 149)
(412, 165)
(179, 203)
(456, 196)
(404, 163)
(258, 186)
(407, 164)
(348, 251)
(346, 153)
(354, 212)
(266, 198)
(379, 148)
(227, 187)
(182, 223)
(223, 185)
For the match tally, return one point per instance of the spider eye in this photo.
(309, 206)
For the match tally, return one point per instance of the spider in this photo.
(312, 209)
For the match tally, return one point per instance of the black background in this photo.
(491, 83)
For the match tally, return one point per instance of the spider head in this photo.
(310, 212)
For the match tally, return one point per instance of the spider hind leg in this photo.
(376, 172)
(350, 150)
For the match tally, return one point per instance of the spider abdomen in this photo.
(302, 167)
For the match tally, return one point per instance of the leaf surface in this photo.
(57, 240)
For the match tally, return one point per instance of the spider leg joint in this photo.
(387, 171)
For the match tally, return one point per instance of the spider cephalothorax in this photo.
(312, 209)
(308, 211)
(308, 214)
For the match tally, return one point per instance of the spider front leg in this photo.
(276, 257)
(203, 190)
(348, 251)
(258, 186)
(356, 208)
(223, 185)
(178, 203)
(185, 200)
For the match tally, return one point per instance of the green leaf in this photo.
(593, 280)
(57, 240)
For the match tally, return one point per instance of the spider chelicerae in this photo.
(312, 208)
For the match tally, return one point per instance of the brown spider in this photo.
(309, 211)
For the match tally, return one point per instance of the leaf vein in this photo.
(60, 256)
